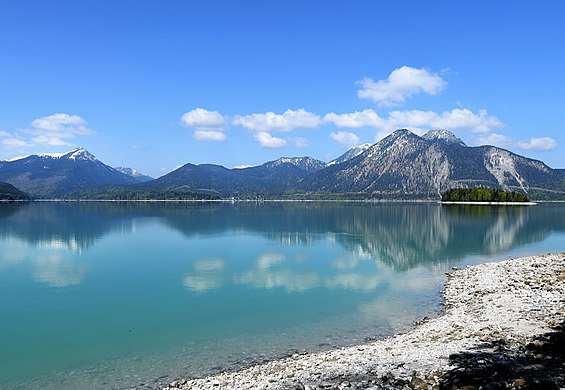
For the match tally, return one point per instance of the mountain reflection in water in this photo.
(98, 293)
(400, 235)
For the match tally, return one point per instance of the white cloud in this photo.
(495, 139)
(12, 140)
(356, 119)
(301, 142)
(209, 135)
(345, 138)
(56, 129)
(201, 118)
(49, 140)
(402, 83)
(539, 144)
(242, 166)
(458, 119)
(207, 125)
(288, 121)
(51, 130)
(65, 123)
(266, 140)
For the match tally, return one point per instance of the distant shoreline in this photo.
(492, 203)
(287, 200)
(500, 319)
(233, 200)
(282, 201)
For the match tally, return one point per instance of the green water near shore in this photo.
(110, 295)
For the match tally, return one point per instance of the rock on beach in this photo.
(502, 327)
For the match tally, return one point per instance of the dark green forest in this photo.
(482, 195)
(9, 192)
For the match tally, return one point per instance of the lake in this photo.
(110, 295)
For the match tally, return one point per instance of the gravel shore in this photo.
(502, 327)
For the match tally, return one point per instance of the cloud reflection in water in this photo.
(269, 273)
(208, 276)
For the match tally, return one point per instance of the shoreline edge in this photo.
(508, 314)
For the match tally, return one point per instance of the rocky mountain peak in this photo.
(133, 173)
(351, 153)
(399, 142)
(80, 154)
(444, 136)
(401, 133)
(307, 164)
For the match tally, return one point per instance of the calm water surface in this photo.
(112, 295)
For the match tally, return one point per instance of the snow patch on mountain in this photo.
(400, 142)
(140, 177)
(351, 153)
(17, 158)
(81, 154)
(128, 171)
(307, 164)
(445, 136)
(50, 155)
(75, 154)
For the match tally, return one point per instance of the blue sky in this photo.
(156, 84)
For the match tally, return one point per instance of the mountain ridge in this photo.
(268, 178)
(445, 136)
(140, 177)
(60, 174)
(405, 163)
(351, 153)
(9, 193)
(401, 165)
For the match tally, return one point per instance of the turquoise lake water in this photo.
(97, 295)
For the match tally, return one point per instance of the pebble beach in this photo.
(502, 327)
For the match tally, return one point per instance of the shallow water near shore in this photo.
(116, 295)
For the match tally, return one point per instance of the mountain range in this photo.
(402, 165)
(407, 165)
(353, 152)
(140, 177)
(273, 177)
(58, 175)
